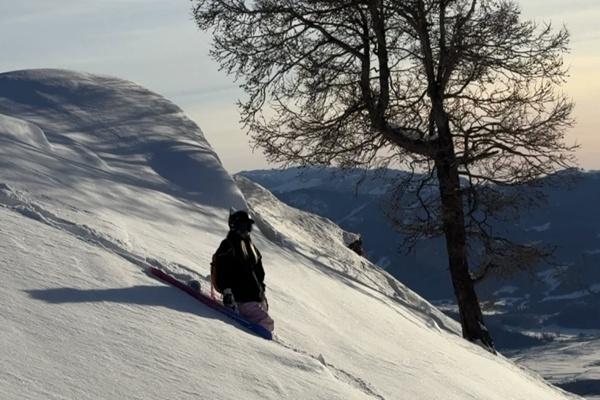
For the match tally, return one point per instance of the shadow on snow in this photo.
(157, 296)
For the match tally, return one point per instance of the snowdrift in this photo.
(100, 178)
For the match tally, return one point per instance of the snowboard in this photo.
(208, 301)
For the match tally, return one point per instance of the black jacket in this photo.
(239, 267)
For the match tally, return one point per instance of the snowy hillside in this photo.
(100, 178)
(565, 297)
(533, 318)
(561, 361)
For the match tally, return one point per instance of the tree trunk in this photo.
(453, 219)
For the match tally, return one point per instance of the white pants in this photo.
(257, 312)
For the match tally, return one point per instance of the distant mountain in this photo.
(554, 301)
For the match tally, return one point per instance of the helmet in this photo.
(240, 221)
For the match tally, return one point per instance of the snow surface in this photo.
(540, 228)
(100, 178)
(572, 364)
(508, 289)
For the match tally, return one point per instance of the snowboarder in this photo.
(237, 272)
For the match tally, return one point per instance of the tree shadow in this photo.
(158, 296)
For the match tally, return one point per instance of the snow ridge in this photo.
(317, 244)
(24, 132)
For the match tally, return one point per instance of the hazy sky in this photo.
(156, 43)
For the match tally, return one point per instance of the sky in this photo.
(157, 44)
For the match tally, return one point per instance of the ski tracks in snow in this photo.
(338, 373)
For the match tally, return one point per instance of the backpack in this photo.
(214, 270)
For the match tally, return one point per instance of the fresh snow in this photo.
(540, 228)
(573, 364)
(573, 295)
(551, 278)
(509, 289)
(591, 290)
(353, 214)
(383, 262)
(101, 178)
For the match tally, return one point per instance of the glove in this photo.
(229, 300)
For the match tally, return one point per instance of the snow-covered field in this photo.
(574, 364)
(100, 178)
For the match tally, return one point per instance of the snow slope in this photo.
(100, 178)
(572, 364)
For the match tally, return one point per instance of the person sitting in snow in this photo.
(237, 272)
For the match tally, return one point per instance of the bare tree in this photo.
(447, 88)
